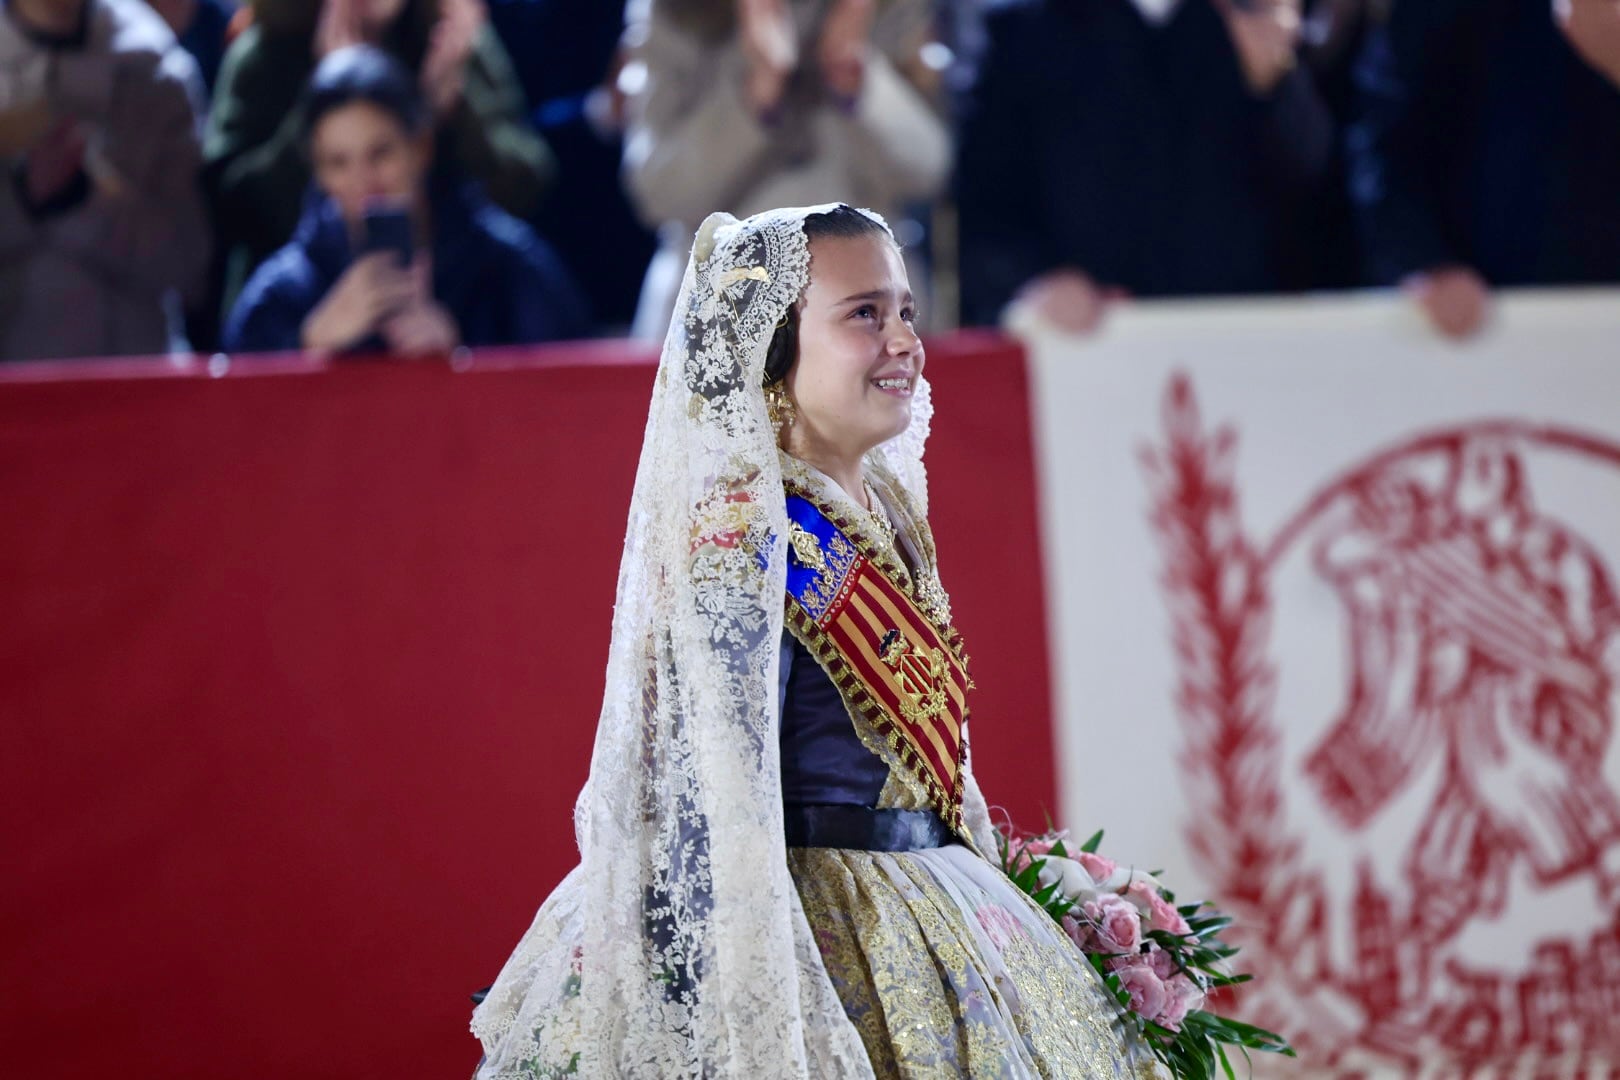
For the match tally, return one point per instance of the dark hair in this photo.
(363, 73)
(841, 222)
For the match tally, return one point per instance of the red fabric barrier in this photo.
(299, 674)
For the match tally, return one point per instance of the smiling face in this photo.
(859, 356)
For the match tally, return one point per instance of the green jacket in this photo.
(256, 167)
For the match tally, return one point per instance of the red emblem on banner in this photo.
(1459, 778)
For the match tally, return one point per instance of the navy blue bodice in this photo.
(823, 759)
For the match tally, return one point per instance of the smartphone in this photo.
(388, 228)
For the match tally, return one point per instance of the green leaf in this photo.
(1229, 980)
(1090, 846)
(1251, 1030)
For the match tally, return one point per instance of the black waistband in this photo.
(861, 828)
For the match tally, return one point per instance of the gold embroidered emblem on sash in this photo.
(919, 674)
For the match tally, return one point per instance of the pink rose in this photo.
(1041, 846)
(1182, 997)
(1148, 995)
(1099, 868)
(1078, 930)
(1160, 912)
(1163, 965)
(1000, 924)
(1116, 923)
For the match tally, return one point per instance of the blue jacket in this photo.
(501, 283)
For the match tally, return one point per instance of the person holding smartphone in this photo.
(392, 255)
(256, 172)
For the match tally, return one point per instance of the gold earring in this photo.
(778, 406)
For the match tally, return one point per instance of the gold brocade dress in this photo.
(944, 967)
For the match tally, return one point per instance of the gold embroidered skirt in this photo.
(947, 970)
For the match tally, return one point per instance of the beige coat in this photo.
(694, 146)
(94, 279)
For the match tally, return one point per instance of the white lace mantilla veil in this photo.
(678, 946)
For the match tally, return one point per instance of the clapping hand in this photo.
(1265, 34)
(22, 126)
(770, 47)
(1593, 29)
(843, 48)
(53, 162)
(340, 26)
(444, 68)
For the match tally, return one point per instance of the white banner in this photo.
(1337, 635)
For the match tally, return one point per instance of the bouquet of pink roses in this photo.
(1161, 961)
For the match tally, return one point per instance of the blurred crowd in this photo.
(412, 176)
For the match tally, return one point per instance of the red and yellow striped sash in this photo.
(894, 667)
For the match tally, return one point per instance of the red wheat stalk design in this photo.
(1220, 616)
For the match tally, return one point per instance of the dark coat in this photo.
(1136, 153)
(1482, 138)
(500, 282)
(205, 37)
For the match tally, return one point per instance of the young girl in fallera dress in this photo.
(783, 853)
